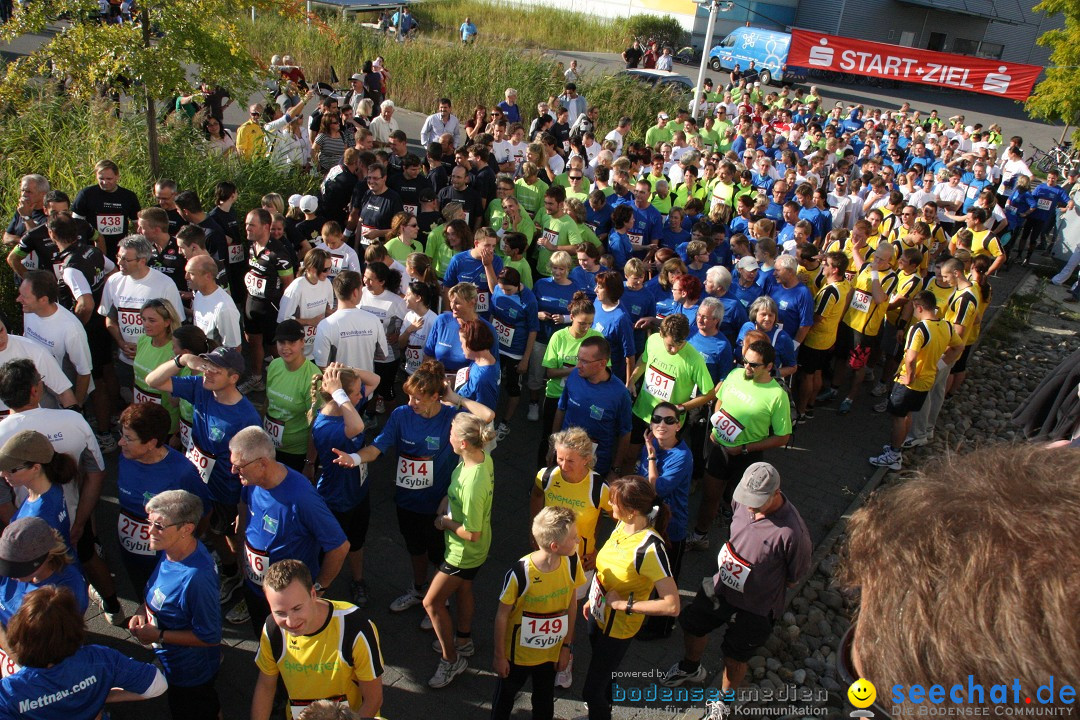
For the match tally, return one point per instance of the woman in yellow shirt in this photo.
(633, 562)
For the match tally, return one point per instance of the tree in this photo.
(1056, 97)
(151, 60)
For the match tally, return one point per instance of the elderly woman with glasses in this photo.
(180, 615)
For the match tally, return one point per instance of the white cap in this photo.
(294, 200)
(747, 263)
(309, 203)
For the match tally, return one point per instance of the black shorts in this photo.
(222, 518)
(197, 702)
(961, 364)
(812, 360)
(511, 378)
(421, 535)
(88, 544)
(637, 429)
(729, 468)
(101, 345)
(463, 573)
(260, 316)
(855, 347)
(355, 523)
(904, 400)
(746, 631)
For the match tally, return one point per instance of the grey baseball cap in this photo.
(24, 546)
(758, 484)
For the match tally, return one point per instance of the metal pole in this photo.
(309, 12)
(1063, 134)
(252, 13)
(700, 84)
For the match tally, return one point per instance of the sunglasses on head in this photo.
(664, 420)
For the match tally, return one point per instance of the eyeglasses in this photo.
(575, 177)
(17, 468)
(327, 269)
(158, 527)
(664, 420)
(753, 365)
(237, 468)
(412, 224)
(583, 360)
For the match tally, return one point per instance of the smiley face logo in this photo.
(862, 693)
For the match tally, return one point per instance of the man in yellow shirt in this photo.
(928, 341)
(815, 353)
(250, 136)
(322, 649)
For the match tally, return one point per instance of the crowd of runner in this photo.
(671, 310)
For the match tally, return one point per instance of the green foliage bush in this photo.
(667, 31)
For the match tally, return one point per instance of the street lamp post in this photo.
(714, 7)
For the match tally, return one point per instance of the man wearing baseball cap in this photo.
(250, 136)
(768, 552)
(659, 133)
(220, 411)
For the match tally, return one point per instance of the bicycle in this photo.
(1062, 157)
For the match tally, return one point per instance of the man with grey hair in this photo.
(793, 298)
(30, 212)
(126, 292)
(178, 507)
(717, 283)
(282, 517)
(384, 124)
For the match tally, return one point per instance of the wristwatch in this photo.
(745, 450)
(630, 605)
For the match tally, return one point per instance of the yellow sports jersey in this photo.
(907, 285)
(829, 304)
(900, 244)
(813, 279)
(542, 603)
(863, 314)
(723, 194)
(984, 303)
(630, 564)
(941, 293)
(930, 338)
(314, 667)
(872, 243)
(982, 243)
(963, 309)
(586, 498)
(889, 221)
(939, 240)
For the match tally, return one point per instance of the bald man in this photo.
(212, 308)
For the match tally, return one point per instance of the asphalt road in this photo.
(822, 471)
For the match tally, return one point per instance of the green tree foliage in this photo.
(1056, 97)
(153, 59)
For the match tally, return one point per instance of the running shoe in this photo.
(565, 677)
(380, 406)
(106, 442)
(410, 599)
(827, 394)
(697, 541)
(676, 676)
(890, 459)
(358, 593)
(914, 442)
(534, 412)
(882, 406)
(229, 586)
(117, 618)
(845, 406)
(468, 649)
(502, 432)
(426, 624)
(239, 614)
(880, 390)
(447, 671)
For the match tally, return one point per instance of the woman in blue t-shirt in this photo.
(420, 433)
(180, 613)
(614, 323)
(32, 537)
(481, 381)
(46, 639)
(28, 461)
(514, 313)
(148, 466)
(339, 425)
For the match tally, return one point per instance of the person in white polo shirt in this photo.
(212, 309)
(13, 347)
(124, 295)
(57, 329)
(350, 336)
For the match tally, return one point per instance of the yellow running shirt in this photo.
(630, 564)
(313, 667)
(830, 305)
(586, 498)
(541, 602)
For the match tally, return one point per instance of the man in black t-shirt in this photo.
(166, 258)
(481, 178)
(217, 244)
(269, 273)
(373, 208)
(409, 182)
(632, 55)
(459, 191)
(109, 208)
(338, 186)
(165, 192)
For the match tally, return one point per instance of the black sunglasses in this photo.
(753, 365)
(664, 419)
